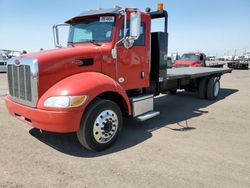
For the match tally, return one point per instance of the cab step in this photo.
(143, 107)
(147, 116)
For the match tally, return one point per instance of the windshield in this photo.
(98, 29)
(190, 57)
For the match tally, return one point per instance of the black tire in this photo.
(173, 92)
(203, 88)
(93, 113)
(213, 88)
(188, 89)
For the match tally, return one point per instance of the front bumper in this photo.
(52, 121)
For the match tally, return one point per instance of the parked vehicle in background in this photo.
(210, 58)
(228, 58)
(112, 68)
(247, 55)
(174, 56)
(13, 53)
(3, 61)
(4, 56)
(240, 63)
(195, 59)
(169, 62)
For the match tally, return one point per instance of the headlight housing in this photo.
(65, 101)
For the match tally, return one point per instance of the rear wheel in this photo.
(100, 126)
(213, 88)
(188, 89)
(203, 88)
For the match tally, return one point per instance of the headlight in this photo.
(65, 101)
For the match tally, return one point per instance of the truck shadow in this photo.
(175, 109)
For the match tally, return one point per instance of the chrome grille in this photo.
(22, 81)
(19, 82)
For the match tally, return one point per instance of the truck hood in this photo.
(55, 65)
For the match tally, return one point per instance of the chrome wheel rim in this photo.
(216, 88)
(105, 126)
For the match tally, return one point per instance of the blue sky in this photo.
(211, 26)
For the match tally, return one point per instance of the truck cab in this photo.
(107, 59)
(191, 60)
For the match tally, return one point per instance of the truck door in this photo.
(133, 63)
(203, 60)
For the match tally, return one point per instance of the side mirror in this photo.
(135, 29)
(56, 34)
(135, 25)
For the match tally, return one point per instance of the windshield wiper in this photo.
(84, 41)
(94, 42)
(71, 43)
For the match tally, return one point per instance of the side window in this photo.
(141, 40)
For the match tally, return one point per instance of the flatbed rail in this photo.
(194, 72)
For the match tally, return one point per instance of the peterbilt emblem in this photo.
(17, 62)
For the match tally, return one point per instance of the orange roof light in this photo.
(117, 6)
(160, 6)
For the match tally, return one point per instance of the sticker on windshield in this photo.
(107, 19)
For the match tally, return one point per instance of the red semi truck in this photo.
(113, 66)
(195, 59)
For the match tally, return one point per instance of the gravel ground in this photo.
(214, 151)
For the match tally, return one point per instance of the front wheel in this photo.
(101, 125)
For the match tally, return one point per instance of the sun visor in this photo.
(95, 12)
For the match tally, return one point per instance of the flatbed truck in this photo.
(238, 64)
(112, 67)
(196, 59)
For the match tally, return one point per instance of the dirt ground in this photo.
(214, 151)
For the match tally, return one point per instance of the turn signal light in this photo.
(160, 6)
(78, 100)
(99, 8)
